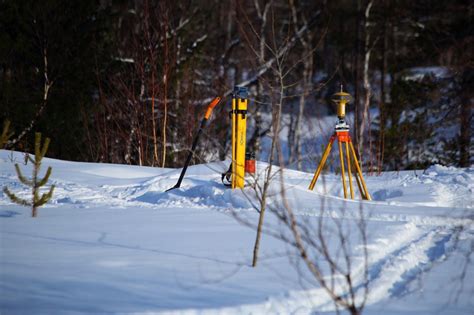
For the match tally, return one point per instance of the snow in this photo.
(418, 73)
(112, 241)
(125, 60)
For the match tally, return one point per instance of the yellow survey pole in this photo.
(239, 133)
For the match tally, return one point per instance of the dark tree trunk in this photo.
(357, 73)
(466, 118)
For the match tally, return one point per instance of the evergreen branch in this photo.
(5, 135)
(16, 199)
(45, 178)
(45, 197)
(6, 126)
(22, 178)
(45, 147)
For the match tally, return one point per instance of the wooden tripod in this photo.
(343, 137)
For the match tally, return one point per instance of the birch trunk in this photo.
(366, 81)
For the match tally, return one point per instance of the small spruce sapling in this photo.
(5, 136)
(35, 183)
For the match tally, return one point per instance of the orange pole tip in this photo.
(211, 106)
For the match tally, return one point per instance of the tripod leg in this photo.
(349, 170)
(366, 192)
(360, 186)
(342, 169)
(321, 164)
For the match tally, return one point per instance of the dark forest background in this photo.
(128, 81)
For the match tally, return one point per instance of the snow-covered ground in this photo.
(112, 241)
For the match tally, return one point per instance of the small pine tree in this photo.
(35, 183)
(5, 134)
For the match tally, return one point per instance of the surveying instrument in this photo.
(239, 131)
(341, 133)
(235, 175)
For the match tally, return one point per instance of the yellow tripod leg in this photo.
(366, 192)
(343, 177)
(349, 170)
(321, 164)
(360, 186)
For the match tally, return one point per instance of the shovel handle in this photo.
(211, 106)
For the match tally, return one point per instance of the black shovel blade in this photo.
(174, 187)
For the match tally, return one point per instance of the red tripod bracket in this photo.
(342, 136)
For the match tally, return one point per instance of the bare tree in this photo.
(149, 101)
(306, 40)
(47, 84)
(262, 13)
(333, 268)
(368, 46)
(278, 58)
(275, 84)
